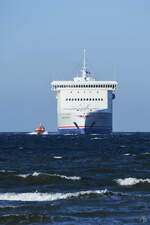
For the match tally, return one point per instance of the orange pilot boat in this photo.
(40, 129)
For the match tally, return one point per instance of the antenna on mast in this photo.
(84, 66)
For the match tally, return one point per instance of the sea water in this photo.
(75, 179)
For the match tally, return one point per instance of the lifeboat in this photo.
(40, 129)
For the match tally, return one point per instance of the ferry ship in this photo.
(84, 105)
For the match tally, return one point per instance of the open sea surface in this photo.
(75, 179)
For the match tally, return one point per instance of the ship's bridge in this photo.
(109, 85)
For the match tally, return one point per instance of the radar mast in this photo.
(84, 66)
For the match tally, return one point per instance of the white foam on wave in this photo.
(57, 157)
(45, 133)
(7, 171)
(8, 206)
(97, 138)
(66, 177)
(3, 171)
(35, 174)
(146, 153)
(131, 181)
(33, 133)
(36, 196)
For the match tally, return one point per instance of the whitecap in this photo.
(97, 138)
(8, 206)
(27, 175)
(36, 196)
(3, 171)
(57, 157)
(131, 181)
(66, 177)
(33, 133)
(45, 133)
(23, 175)
(7, 171)
(35, 174)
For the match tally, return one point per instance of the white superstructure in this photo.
(84, 105)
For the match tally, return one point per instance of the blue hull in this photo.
(85, 131)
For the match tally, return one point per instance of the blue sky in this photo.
(42, 40)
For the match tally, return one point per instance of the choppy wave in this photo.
(131, 181)
(24, 218)
(66, 177)
(35, 174)
(7, 171)
(146, 153)
(36, 196)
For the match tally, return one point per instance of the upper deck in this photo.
(84, 82)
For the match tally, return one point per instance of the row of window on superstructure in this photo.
(84, 99)
(87, 86)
